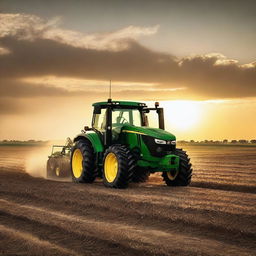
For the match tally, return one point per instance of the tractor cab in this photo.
(110, 117)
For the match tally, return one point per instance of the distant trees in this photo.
(21, 142)
(243, 141)
(225, 141)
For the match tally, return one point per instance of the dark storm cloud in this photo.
(34, 47)
(215, 77)
(16, 88)
(48, 57)
(209, 76)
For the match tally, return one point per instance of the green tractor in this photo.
(121, 148)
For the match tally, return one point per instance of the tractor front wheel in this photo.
(83, 165)
(118, 166)
(181, 177)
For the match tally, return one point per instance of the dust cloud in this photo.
(36, 161)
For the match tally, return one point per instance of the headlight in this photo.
(171, 142)
(157, 141)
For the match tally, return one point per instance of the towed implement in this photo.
(121, 148)
(58, 164)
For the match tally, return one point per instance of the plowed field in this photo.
(216, 215)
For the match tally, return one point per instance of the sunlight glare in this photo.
(182, 114)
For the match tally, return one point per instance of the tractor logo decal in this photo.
(134, 132)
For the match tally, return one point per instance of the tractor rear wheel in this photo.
(181, 177)
(83, 164)
(118, 166)
(140, 175)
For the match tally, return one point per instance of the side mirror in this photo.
(86, 128)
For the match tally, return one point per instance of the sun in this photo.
(182, 115)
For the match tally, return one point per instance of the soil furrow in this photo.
(62, 238)
(215, 215)
(123, 234)
(28, 242)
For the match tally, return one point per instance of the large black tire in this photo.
(88, 165)
(140, 175)
(184, 174)
(125, 166)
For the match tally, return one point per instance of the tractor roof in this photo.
(120, 103)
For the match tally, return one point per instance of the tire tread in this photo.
(185, 171)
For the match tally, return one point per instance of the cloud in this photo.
(46, 57)
(216, 76)
(18, 89)
(31, 47)
(206, 75)
(4, 51)
(8, 107)
(31, 27)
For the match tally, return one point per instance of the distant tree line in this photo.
(220, 141)
(22, 142)
(180, 141)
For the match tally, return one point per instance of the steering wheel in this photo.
(123, 120)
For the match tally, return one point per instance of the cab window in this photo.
(100, 121)
(126, 116)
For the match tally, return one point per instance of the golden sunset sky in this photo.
(196, 57)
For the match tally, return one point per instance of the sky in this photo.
(196, 57)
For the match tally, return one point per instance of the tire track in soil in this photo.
(145, 219)
(227, 185)
(30, 242)
(192, 221)
(83, 244)
(151, 239)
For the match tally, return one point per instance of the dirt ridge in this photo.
(147, 219)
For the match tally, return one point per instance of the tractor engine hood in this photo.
(153, 132)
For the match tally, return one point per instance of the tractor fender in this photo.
(93, 137)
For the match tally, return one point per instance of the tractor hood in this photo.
(153, 132)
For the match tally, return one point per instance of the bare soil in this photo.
(213, 216)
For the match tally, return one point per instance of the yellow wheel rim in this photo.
(110, 167)
(172, 175)
(57, 171)
(77, 163)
